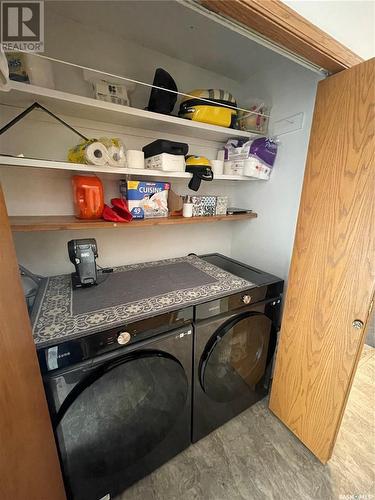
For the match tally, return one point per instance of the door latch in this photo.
(358, 324)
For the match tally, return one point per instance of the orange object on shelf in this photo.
(88, 197)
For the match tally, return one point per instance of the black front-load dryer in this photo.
(120, 411)
(235, 339)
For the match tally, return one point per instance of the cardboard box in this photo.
(146, 199)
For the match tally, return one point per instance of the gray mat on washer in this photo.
(138, 284)
(132, 293)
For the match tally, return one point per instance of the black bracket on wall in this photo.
(28, 110)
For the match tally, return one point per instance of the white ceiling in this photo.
(352, 22)
(175, 30)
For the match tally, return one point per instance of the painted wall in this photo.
(41, 192)
(265, 242)
(111, 53)
(268, 243)
(38, 192)
(351, 22)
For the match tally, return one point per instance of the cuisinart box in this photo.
(146, 199)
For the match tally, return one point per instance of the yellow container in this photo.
(214, 115)
(214, 112)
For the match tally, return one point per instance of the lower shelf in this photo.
(24, 223)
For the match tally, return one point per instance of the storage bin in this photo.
(257, 121)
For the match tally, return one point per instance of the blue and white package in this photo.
(146, 199)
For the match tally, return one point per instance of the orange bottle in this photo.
(88, 197)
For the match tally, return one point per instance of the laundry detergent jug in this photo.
(88, 197)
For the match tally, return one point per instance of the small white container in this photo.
(217, 167)
(135, 158)
(166, 162)
(187, 207)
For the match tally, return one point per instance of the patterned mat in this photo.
(131, 293)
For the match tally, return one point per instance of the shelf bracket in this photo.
(28, 110)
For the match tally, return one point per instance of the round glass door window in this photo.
(121, 417)
(235, 358)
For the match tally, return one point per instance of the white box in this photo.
(166, 162)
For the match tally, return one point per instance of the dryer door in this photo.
(235, 357)
(123, 420)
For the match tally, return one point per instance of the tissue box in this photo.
(203, 205)
(146, 199)
(221, 205)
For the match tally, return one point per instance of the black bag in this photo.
(161, 101)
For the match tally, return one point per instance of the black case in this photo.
(164, 146)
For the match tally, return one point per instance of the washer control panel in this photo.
(246, 299)
(123, 338)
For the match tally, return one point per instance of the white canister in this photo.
(217, 167)
(187, 207)
(135, 158)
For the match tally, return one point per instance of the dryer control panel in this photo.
(73, 351)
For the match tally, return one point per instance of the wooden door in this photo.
(29, 465)
(281, 25)
(332, 275)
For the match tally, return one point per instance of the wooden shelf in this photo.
(63, 103)
(11, 161)
(25, 223)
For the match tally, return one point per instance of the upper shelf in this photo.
(12, 161)
(63, 103)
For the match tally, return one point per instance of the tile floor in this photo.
(255, 457)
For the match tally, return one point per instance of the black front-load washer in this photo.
(234, 343)
(120, 411)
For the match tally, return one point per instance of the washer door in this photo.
(235, 357)
(116, 417)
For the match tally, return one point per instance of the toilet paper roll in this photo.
(96, 154)
(116, 156)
